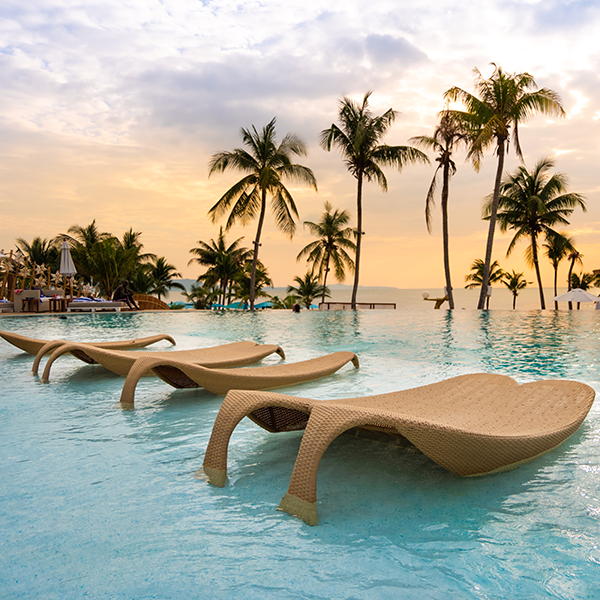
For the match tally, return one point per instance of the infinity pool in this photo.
(98, 502)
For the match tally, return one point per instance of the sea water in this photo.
(97, 502)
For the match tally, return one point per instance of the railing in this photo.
(359, 306)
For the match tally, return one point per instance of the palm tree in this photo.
(41, 251)
(574, 257)
(358, 138)
(515, 282)
(557, 247)
(243, 282)
(503, 102)
(202, 296)
(82, 240)
(530, 203)
(583, 281)
(224, 262)
(266, 165)
(108, 264)
(162, 274)
(475, 277)
(449, 133)
(334, 240)
(308, 289)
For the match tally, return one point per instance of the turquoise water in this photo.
(102, 503)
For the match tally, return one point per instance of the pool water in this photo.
(98, 502)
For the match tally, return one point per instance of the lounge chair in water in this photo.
(120, 361)
(34, 346)
(181, 374)
(470, 425)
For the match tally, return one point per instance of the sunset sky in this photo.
(111, 110)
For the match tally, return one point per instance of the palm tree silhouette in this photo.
(332, 245)
(503, 102)
(266, 165)
(358, 138)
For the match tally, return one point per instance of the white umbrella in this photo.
(66, 262)
(577, 295)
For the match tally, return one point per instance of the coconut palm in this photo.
(574, 257)
(202, 296)
(266, 165)
(332, 245)
(557, 248)
(108, 264)
(308, 289)
(583, 281)
(475, 277)
(243, 281)
(449, 133)
(40, 251)
(358, 138)
(530, 203)
(502, 102)
(225, 262)
(162, 274)
(515, 282)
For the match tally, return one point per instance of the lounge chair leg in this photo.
(43, 351)
(323, 427)
(236, 406)
(64, 349)
(139, 368)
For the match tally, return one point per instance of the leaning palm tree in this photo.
(308, 288)
(574, 257)
(531, 203)
(266, 165)
(332, 245)
(515, 282)
(162, 274)
(358, 138)
(449, 133)
(557, 248)
(502, 102)
(475, 277)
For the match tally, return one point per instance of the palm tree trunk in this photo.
(261, 220)
(445, 191)
(536, 264)
(325, 278)
(555, 286)
(569, 280)
(492, 227)
(358, 238)
(514, 301)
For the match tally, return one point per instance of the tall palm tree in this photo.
(332, 244)
(162, 274)
(267, 165)
(308, 288)
(358, 138)
(475, 277)
(502, 102)
(557, 248)
(515, 282)
(224, 261)
(449, 133)
(530, 203)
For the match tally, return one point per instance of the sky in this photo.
(111, 110)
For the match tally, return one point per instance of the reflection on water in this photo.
(102, 502)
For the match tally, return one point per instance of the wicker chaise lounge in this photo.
(35, 346)
(120, 361)
(470, 425)
(181, 374)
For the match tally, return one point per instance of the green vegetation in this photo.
(515, 282)
(308, 288)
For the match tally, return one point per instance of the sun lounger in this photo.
(92, 306)
(120, 361)
(470, 425)
(219, 381)
(34, 346)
